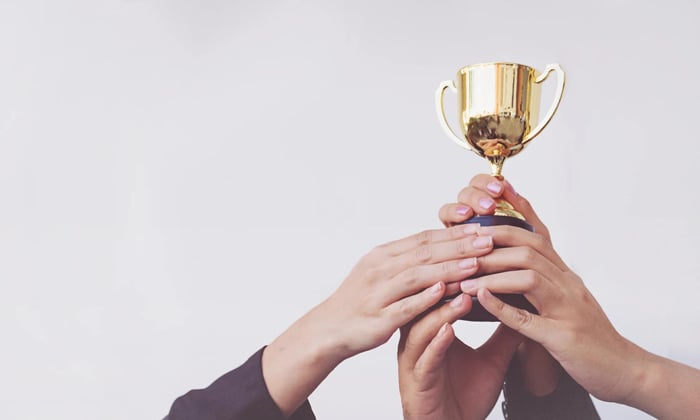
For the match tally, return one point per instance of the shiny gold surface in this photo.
(498, 108)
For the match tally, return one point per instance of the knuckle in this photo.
(423, 254)
(465, 194)
(412, 275)
(405, 309)
(424, 237)
(376, 253)
(448, 267)
(371, 260)
(480, 179)
(444, 212)
(523, 319)
(532, 279)
(583, 295)
(374, 274)
(526, 254)
(456, 232)
(462, 247)
(541, 241)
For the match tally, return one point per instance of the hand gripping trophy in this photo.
(498, 112)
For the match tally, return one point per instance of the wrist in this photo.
(642, 376)
(297, 361)
(317, 339)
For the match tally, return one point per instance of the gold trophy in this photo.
(498, 112)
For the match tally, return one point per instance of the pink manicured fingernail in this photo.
(467, 285)
(462, 211)
(457, 302)
(468, 263)
(471, 228)
(436, 288)
(486, 203)
(494, 187)
(482, 242)
(442, 329)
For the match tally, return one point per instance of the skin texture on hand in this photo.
(388, 287)
(541, 372)
(442, 378)
(574, 329)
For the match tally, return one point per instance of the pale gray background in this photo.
(180, 180)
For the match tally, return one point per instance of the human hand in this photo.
(442, 378)
(387, 288)
(540, 372)
(571, 325)
(396, 282)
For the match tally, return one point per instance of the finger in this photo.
(458, 249)
(405, 310)
(518, 258)
(501, 346)
(415, 339)
(429, 362)
(454, 213)
(537, 289)
(479, 200)
(413, 280)
(522, 205)
(512, 236)
(488, 183)
(425, 238)
(529, 283)
(532, 326)
(451, 289)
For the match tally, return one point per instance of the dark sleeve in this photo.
(238, 395)
(568, 401)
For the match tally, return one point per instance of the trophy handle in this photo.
(440, 108)
(561, 80)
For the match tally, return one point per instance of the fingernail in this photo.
(482, 242)
(471, 228)
(462, 211)
(436, 288)
(457, 302)
(486, 203)
(467, 285)
(468, 263)
(494, 187)
(442, 329)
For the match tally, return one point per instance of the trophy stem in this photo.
(496, 163)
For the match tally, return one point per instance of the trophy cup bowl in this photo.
(498, 115)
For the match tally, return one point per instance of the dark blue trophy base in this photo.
(478, 313)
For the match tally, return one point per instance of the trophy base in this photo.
(478, 313)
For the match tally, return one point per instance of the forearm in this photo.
(669, 389)
(297, 361)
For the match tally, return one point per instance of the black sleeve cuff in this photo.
(240, 394)
(568, 401)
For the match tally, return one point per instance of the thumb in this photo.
(429, 363)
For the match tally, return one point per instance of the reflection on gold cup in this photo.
(498, 114)
(498, 111)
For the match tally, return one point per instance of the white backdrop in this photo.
(180, 180)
